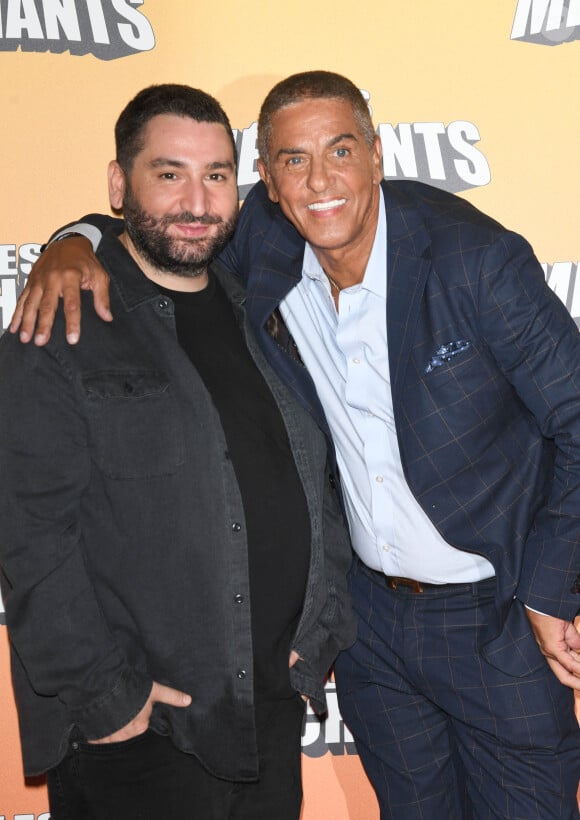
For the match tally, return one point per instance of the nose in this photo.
(195, 198)
(318, 175)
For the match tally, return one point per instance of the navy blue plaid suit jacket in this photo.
(485, 373)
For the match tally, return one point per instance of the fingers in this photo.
(61, 270)
(19, 310)
(564, 674)
(72, 311)
(25, 314)
(37, 306)
(100, 287)
(140, 723)
(173, 697)
(39, 310)
(559, 642)
(294, 656)
(564, 660)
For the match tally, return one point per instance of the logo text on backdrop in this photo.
(108, 29)
(547, 22)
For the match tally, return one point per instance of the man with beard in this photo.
(173, 555)
(421, 334)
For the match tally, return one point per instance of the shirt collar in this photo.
(375, 278)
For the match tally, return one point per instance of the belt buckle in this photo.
(393, 582)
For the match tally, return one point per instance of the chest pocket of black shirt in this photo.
(136, 428)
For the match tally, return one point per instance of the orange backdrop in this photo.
(478, 98)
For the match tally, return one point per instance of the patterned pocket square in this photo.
(446, 352)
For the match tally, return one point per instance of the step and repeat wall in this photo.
(477, 98)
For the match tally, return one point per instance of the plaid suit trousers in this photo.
(442, 734)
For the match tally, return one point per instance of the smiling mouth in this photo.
(326, 206)
(192, 229)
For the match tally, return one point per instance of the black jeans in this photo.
(147, 778)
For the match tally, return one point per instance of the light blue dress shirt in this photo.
(347, 355)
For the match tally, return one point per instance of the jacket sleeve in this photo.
(330, 627)
(537, 345)
(53, 616)
(92, 226)
(256, 216)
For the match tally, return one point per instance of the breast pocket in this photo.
(136, 427)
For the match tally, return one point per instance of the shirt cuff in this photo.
(93, 234)
(535, 610)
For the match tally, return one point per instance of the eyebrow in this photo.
(334, 141)
(164, 162)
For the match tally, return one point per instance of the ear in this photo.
(377, 160)
(117, 185)
(266, 178)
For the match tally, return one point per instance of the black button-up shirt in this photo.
(122, 542)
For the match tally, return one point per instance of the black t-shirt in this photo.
(277, 522)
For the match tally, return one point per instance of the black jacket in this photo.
(122, 542)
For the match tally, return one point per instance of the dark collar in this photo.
(131, 284)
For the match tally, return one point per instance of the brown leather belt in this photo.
(393, 581)
(416, 587)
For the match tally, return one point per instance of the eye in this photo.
(295, 161)
(168, 175)
(341, 152)
(216, 177)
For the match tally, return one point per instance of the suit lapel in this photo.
(278, 267)
(276, 270)
(408, 264)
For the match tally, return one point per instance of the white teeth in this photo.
(325, 206)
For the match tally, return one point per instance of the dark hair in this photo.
(312, 85)
(181, 100)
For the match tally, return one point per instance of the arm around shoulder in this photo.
(66, 266)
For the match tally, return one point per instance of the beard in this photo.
(187, 257)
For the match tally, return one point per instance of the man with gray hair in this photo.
(422, 337)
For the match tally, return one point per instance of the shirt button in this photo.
(386, 548)
(356, 360)
(379, 479)
(241, 674)
(239, 599)
(163, 303)
(236, 527)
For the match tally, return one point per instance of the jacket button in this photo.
(239, 599)
(332, 481)
(236, 527)
(163, 303)
(242, 674)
